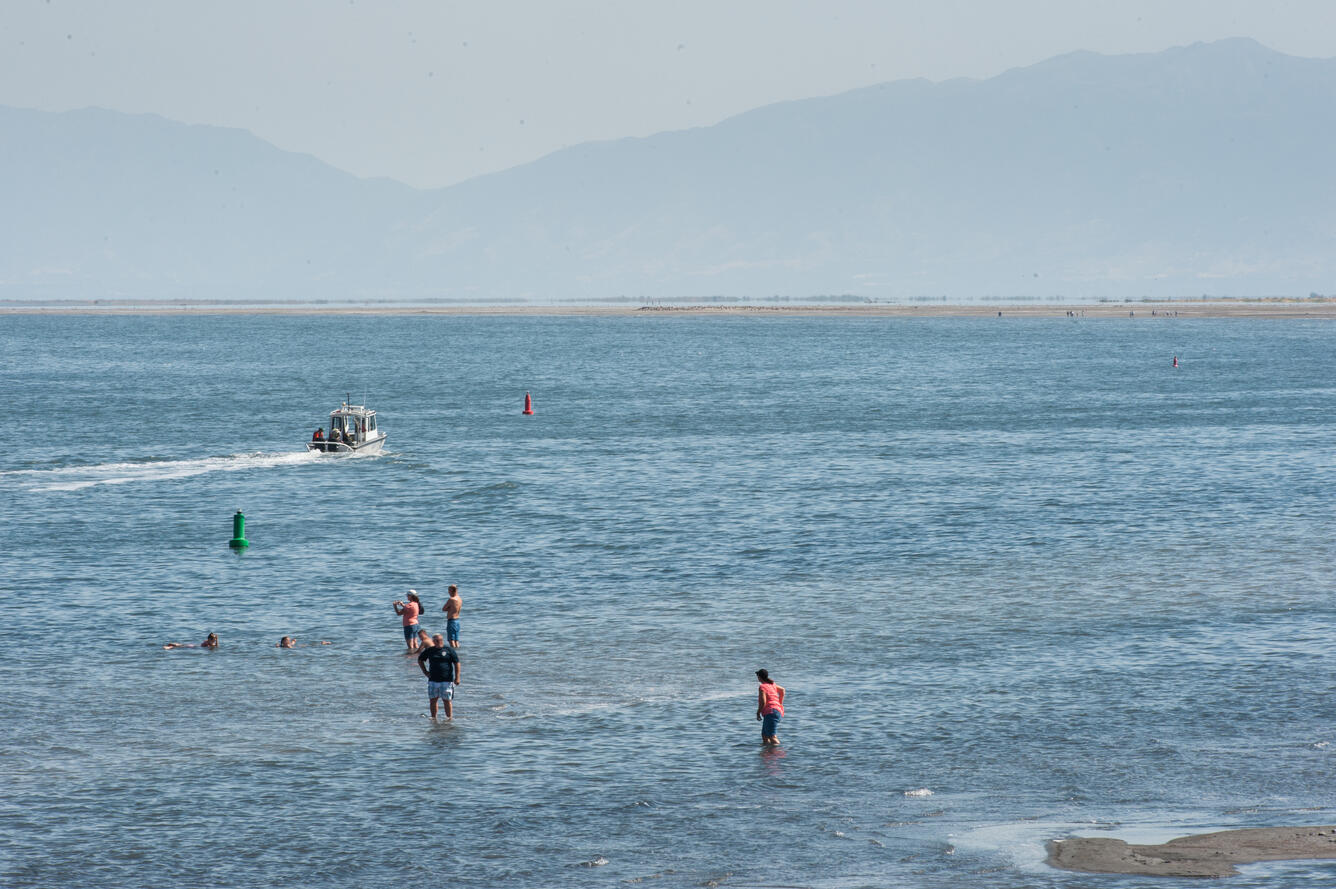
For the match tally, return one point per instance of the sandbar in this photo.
(1201, 855)
(1320, 307)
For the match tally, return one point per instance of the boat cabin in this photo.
(352, 424)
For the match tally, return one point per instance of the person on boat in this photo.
(443, 674)
(769, 707)
(319, 434)
(409, 611)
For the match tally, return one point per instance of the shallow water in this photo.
(1023, 565)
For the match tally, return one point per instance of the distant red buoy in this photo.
(1175, 361)
(528, 404)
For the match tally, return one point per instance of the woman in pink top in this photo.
(409, 611)
(769, 707)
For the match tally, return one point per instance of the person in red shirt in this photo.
(769, 707)
(409, 611)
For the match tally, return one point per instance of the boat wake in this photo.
(76, 478)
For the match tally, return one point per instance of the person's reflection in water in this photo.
(770, 758)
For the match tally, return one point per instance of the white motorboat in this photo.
(352, 430)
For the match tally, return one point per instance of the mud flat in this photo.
(1323, 308)
(1201, 855)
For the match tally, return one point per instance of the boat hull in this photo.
(332, 448)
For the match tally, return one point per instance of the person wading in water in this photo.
(769, 707)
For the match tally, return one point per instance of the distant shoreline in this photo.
(1311, 308)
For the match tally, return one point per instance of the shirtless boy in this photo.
(211, 641)
(291, 642)
(451, 609)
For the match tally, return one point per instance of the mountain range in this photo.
(1200, 169)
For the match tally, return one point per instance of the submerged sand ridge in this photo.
(1201, 855)
(1314, 308)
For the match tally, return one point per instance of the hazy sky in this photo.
(431, 92)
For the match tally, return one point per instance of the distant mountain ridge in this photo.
(1205, 168)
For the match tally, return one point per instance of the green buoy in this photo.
(238, 532)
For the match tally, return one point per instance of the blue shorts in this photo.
(443, 690)
(452, 630)
(769, 725)
(410, 632)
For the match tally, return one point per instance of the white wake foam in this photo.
(76, 478)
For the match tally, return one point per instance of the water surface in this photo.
(1023, 565)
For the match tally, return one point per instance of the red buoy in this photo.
(1175, 361)
(528, 405)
